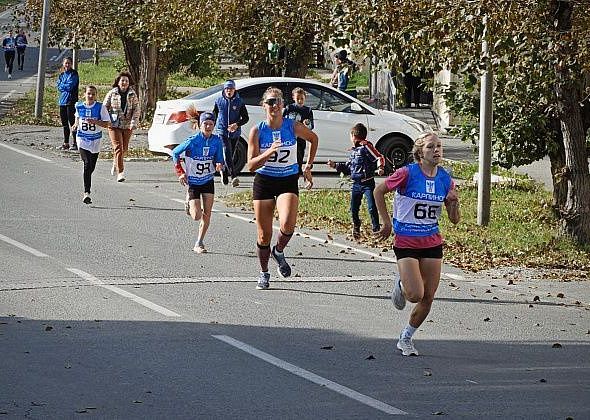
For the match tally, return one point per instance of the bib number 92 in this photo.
(424, 211)
(284, 156)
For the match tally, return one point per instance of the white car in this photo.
(334, 114)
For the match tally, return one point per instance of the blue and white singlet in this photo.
(284, 161)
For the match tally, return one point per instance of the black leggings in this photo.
(9, 58)
(20, 57)
(67, 113)
(89, 160)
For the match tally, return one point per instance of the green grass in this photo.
(522, 231)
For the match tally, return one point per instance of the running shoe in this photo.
(87, 199)
(9, 76)
(406, 345)
(200, 249)
(65, 146)
(224, 176)
(235, 182)
(283, 269)
(73, 148)
(263, 280)
(121, 177)
(397, 296)
(113, 170)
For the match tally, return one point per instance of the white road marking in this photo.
(310, 376)
(323, 240)
(14, 149)
(8, 95)
(23, 246)
(144, 302)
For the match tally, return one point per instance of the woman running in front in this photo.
(272, 153)
(203, 156)
(421, 189)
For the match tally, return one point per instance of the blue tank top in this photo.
(284, 161)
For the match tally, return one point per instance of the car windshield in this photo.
(205, 93)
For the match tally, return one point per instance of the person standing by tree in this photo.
(8, 44)
(67, 85)
(298, 111)
(421, 190)
(231, 113)
(343, 73)
(203, 156)
(272, 154)
(123, 106)
(89, 115)
(21, 46)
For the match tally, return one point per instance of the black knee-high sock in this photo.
(283, 240)
(263, 252)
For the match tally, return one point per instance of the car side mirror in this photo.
(354, 107)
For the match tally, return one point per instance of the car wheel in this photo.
(240, 155)
(397, 151)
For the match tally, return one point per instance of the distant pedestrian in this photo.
(9, 45)
(298, 111)
(21, 46)
(203, 156)
(90, 114)
(362, 163)
(123, 106)
(421, 190)
(343, 70)
(231, 114)
(272, 154)
(67, 85)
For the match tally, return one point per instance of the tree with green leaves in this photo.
(540, 60)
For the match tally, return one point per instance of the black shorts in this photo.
(195, 191)
(270, 187)
(418, 253)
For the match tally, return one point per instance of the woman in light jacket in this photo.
(123, 106)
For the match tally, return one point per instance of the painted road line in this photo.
(310, 376)
(14, 149)
(144, 302)
(8, 95)
(23, 246)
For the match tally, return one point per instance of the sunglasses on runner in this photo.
(272, 101)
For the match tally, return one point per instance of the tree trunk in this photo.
(557, 159)
(575, 215)
(143, 61)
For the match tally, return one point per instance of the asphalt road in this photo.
(105, 311)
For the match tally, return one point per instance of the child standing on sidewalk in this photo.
(364, 160)
(89, 114)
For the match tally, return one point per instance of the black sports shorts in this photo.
(270, 187)
(195, 191)
(418, 253)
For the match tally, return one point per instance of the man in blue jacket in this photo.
(231, 113)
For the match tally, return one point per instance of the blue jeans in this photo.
(356, 196)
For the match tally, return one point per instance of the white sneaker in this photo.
(200, 249)
(121, 177)
(9, 76)
(87, 199)
(397, 296)
(406, 345)
(235, 182)
(113, 170)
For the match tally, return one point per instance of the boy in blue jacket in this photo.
(364, 160)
